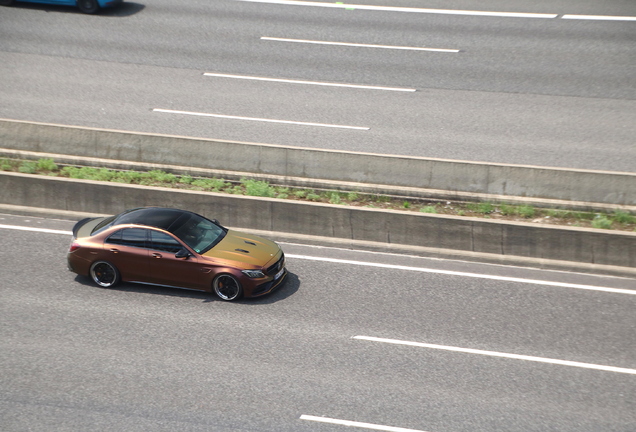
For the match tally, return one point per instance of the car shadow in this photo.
(289, 288)
(125, 9)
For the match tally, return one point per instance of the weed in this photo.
(334, 198)
(186, 179)
(623, 217)
(485, 208)
(46, 165)
(406, 205)
(258, 188)
(507, 210)
(158, 176)
(601, 222)
(301, 193)
(380, 198)
(128, 177)
(28, 167)
(7, 164)
(526, 211)
(352, 196)
(428, 209)
(311, 196)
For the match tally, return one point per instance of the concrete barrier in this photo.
(396, 171)
(606, 251)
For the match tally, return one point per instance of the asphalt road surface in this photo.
(137, 358)
(551, 83)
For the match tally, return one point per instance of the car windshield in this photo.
(197, 232)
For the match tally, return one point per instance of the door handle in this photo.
(156, 255)
(114, 250)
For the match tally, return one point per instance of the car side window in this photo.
(135, 237)
(164, 242)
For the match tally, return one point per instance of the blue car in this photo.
(86, 6)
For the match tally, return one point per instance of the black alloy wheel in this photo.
(104, 274)
(227, 287)
(88, 6)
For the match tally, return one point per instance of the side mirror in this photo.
(182, 254)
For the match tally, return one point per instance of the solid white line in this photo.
(499, 354)
(256, 119)
(399, 267)
(405, 9)
(464, 274)
(599, 17)
(359, 45)
(356, 424)
(289, 81)
(43, 230)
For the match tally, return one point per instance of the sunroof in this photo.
(158, 217)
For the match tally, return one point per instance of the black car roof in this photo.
(163, 218)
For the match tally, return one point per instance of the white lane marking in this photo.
(599, 17)
(399, 267)
(499, 354)
(290, 81)
(43, 230)
(464, 274)
(359, 45)
(256, 119)
(405, 9)
(356, 424)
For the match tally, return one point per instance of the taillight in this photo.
(74, 246)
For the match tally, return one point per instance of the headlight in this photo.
(253, 273)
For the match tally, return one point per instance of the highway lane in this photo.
(520, 90)
(137, 358)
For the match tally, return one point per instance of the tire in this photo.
(88, 6)
(227, 287)
(6, 2)
(104, 274)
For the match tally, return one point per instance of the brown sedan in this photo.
(176, 248)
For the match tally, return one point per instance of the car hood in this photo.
(245, 248)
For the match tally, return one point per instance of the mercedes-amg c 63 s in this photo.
(176, 248)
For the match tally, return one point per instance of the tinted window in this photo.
(163, 242)
(135, 237)
(198, 233)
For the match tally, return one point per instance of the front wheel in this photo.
(88, 6)
(227, 287)
(104, 274)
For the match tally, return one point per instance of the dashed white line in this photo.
(500, 354)
(472, 275)
(405, 9)
(357, 424)
(200, 114)
(318, 83)
(599, 17)
(360, 45)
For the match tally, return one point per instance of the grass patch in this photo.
(611, 220)
(428, 209)
(601, 222)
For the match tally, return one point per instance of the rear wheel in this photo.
(104, 274)
(227, 287)
(88, 6)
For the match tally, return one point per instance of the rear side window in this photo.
(135, 237)
(164, 242)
